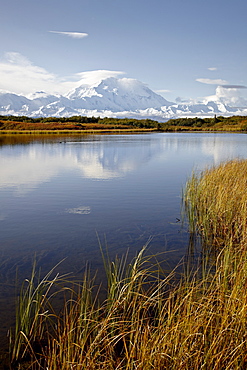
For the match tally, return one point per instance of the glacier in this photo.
(118, 98)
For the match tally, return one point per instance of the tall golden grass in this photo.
(76, 132)
(149, 319)
(216, 202)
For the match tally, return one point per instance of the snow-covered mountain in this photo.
(113, 97)
(116, 95)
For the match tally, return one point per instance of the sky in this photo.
(181, 49)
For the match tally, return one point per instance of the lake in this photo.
(63, 195)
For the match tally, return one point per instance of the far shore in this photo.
(79, 125)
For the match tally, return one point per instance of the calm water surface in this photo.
(58, 193)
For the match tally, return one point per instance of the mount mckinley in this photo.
(118, 98)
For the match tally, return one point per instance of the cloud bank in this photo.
(18, 75)
(229, 95)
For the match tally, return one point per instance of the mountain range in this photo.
(112, 97)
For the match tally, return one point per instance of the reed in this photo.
(33, 311)
(149, 319)
(216, 203)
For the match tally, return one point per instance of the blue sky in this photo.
(179, 48)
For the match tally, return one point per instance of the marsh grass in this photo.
(149, 319)
(77, 132)
(216, 204)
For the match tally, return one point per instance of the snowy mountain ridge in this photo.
(112, 97)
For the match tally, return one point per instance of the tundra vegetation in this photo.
(150, 319)
(81, 124)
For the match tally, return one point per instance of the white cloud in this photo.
(212, 69)
(210, 81)
(231, 96)
(20, 76)
(92, 77)
(184, 100)
(228, 95)
(74, 35)
(162, 91)
(16, 58)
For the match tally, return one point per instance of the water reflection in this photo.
(24, 168)
(57, 192)
(224, 147)
(27, 166)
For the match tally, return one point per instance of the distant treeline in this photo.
(208, 122)
(220, 123)
(74, 122)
